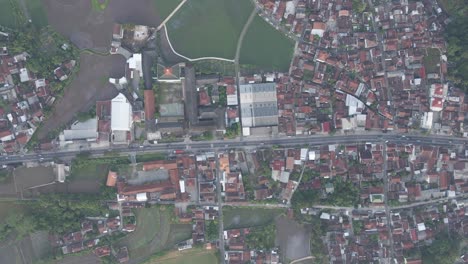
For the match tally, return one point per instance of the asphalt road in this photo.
(244, 143)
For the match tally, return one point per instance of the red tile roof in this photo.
(149, 104)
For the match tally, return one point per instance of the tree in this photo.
(456, 35)
(443, 250)
(212, 230)
(261, 238)
(359, 6)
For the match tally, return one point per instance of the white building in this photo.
(121, 118)
(427, 120)
(121, 112)
(135, 63)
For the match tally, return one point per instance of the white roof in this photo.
(325, 216)
(232, 99)
(182, 186)
(135, 63)
(421, 227)
(312, 155)
(24, 75)
(40, 83)
(141, 197)
(121, 111)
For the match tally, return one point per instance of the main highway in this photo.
(246, 142)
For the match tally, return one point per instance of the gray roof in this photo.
(257, 87)
(79, 134)
(173, 109)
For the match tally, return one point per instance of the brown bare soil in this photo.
(90, 29)
(88, 86)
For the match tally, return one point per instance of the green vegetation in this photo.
(454, 7)
(194, 255)
(208, 28)
(432, 60)
(262, 238)
(92, 168)
(266, 47)
(84, 116)
(223, 68)
(45, 53)
(165, 7)
(359, 6)
(304, 199)
(222, 96)
(37, 12)
(443, 250)
(20, 223)
(317, 247)
(155, 232)
(358, 226)
(5, 174)
(56, 213)
(212, 230)
(150, 157)
(345, 194)
(233, 131)
(99, 5)
(10, 14)
(240, 217)
(207, 135)
(457, 50)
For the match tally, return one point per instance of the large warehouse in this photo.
(259, 106)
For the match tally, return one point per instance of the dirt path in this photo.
(242, 35)
(25, 9)
(171, 15)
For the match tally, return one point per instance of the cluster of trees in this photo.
(457, 37)
(457, 50)
(317, 247)
(345, 194)
(359, 6)
(44, 48)
(262, 238)
(212, 230)
(58, 213)
(304, 199)
(21, 223)
(443, 250)
(233, 131)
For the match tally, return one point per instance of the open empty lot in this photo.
(90, 258)
(292, 238)
(89, 85)
(194, 255)
(208, 28)
(240, 217)
(431, 61)
(88, 28)
(154, 233)
(265, 47)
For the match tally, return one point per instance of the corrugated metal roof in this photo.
(121, 110)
